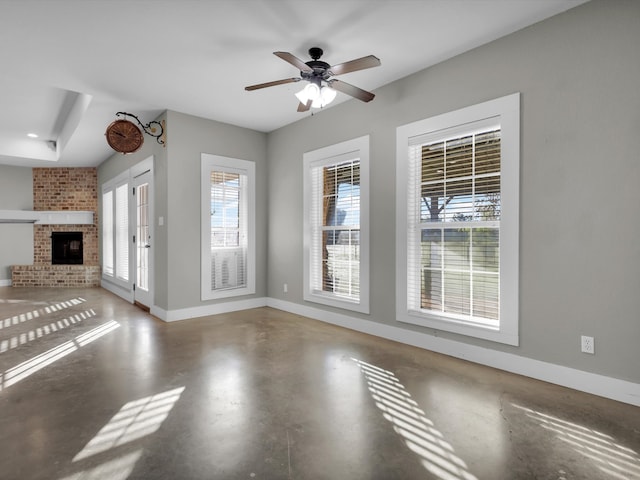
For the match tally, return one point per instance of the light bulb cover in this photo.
(319, 96)
(328, 95)
(309, 92)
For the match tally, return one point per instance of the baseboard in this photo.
(5, 283)
(205, 310)
(117, 290)
(603, 386)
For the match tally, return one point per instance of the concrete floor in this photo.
(94, 388)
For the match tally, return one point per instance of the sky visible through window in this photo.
(348, 202)
(225, 201)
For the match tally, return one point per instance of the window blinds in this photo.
(228, 229)
(107, 232)
(122, 232)
(335, 220)
(453, 225)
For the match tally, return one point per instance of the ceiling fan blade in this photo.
(355, 65)
(303, 108)
(295, 61)
(351, 90)
(272, 84)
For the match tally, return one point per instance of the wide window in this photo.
(457, 221)
(228, 256)
(336, 225)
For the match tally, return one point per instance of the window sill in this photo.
(337, 302)
(469, 329)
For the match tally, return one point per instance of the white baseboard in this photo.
(204, 310)
(117, 290)
(603, 386)
(5, 283)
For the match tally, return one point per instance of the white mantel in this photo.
(64, 217)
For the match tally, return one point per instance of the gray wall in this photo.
(579, 250)
(16, 240)
(177, 199)
(119, 163)
(189, 137)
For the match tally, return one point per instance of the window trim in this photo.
(209, 163)
(358, 147)
(506, 111)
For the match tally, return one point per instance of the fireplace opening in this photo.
(66, 248)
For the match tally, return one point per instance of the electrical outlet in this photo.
(285, 288)
(588, 345)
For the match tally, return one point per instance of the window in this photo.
(336, 206)
(115, 230)
(228, 239)
(457, 237)
(107, 233)
(122, 231)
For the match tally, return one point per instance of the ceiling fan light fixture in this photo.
(328, 94)
(310, 92)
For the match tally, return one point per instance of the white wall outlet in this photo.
(587, 345)
(285, 288)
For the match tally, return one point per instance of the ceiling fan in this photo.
(321, 89)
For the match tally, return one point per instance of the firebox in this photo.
(66, 248)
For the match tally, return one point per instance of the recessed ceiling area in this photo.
(69, 66)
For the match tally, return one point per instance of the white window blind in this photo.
(107, 233)
(228, 230)
(454, 218)
(335, 215)
(116, 231)
(122, 232)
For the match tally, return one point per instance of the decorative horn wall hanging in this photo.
(125, 137)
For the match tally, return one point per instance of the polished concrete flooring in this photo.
(92, 387)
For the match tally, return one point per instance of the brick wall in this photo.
(59, 189)
(65, 189)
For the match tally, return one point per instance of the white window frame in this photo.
(505, 113)
(118, 277)
(357, 148)
(211, 163)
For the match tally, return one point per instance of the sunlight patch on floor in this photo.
(29, 367)
(24, 317)
(118, 468)
(135, 420)
(410, 422)
(610, 457)
(39, 332)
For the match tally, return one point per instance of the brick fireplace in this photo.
(62, 189)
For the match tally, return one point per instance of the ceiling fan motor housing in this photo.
(320, 68)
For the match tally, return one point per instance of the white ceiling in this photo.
(67, 66)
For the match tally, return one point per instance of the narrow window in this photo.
(116, 236)
(227, 227)
(107, 233)
(122, 232)
(336, 222)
